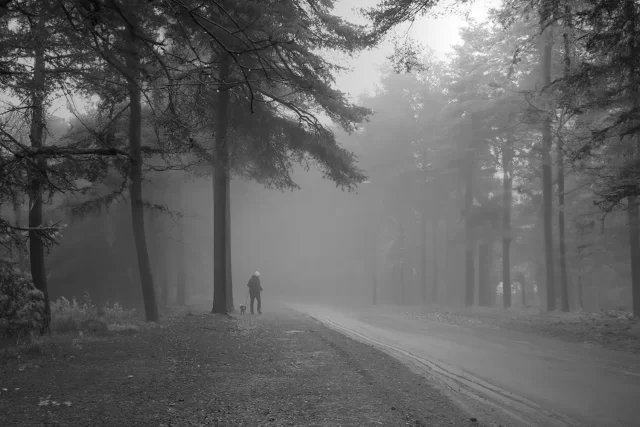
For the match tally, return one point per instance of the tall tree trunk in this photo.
(135, 143)
(468, 207)
(220, 187)
(564, 281)
(230, 306)
(434, 260)
(547, 185)
(36, 188)
(507, 200)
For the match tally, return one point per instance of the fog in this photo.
(305, 243)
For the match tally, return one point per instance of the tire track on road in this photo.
(461, 384)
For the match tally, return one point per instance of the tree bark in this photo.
(132, 60)
(220, 187)
(229, 282)
(547, 184)
(36, 188)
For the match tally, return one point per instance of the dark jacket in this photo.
(254, 285)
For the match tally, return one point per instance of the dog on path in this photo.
(243, 308)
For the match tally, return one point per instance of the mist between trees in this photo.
(514, 161)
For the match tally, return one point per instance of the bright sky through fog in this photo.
(440, 34)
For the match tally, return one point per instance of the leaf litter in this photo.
(199, 369)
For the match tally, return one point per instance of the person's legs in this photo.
(259, 304)
(253, 298)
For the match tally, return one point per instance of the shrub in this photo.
(116, 311)
(72, 316)
(22, 307)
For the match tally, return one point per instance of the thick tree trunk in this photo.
(36, 188)
(220, 187)
(135, 189)
(229, 282)
(547, 185)
(434, 260)
(507, 200)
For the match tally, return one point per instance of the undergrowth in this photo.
(72, 322)
(74, 316)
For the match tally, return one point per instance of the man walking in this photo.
(254, 291)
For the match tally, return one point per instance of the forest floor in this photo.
(615, 330)
(198, 369)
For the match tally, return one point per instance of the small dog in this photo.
(243, 308)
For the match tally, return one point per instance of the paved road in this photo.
(527, 379)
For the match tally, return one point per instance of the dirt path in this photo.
(203, 370)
